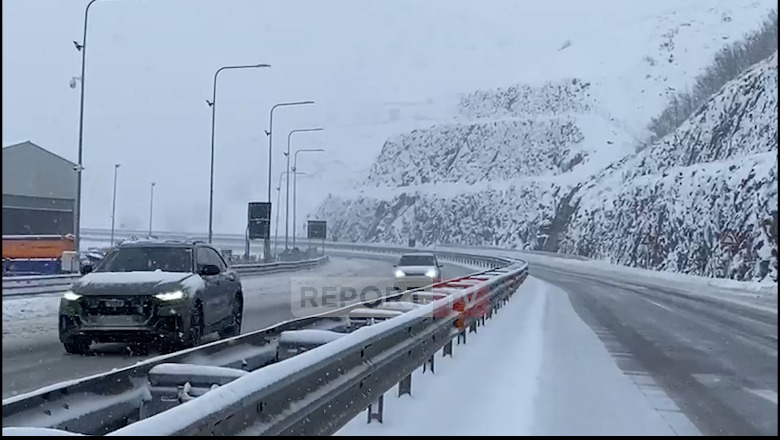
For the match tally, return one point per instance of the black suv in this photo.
(169, 293)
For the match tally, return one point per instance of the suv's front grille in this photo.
(118, 305)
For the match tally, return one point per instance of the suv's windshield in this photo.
(141, 259)
(417, 260)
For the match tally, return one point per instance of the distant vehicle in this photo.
(36, 246)
(165, 293)
(417, 270)
(35, 254)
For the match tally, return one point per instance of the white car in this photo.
(416, 270)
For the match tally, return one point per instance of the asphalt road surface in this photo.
(33, 356)
(715, 359)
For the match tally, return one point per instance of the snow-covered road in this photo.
(33, 356)
(537, 369)
(573, 355)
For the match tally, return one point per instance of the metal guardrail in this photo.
(116, 398)
(37, 285)
(319, 391)
(50, 284)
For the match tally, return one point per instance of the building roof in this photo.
(32, 171)
(31, 144)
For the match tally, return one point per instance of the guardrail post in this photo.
(447, 349)
(404, 386)
(429, 362)
(473, 327)
(462, 336)
(379, 405)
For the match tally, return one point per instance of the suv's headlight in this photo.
(431, 273)
(399, 273)
(170, 296)
(71, 296)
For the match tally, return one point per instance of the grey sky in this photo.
(150, 67)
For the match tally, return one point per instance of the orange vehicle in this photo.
(36, 246)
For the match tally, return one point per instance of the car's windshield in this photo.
(142, 259)
(416, 260)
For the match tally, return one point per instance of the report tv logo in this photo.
(330, 295)
(316, 295)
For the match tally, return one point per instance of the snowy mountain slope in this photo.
(616, 79)
(493, 216)
(475, 152)
(505, 173)
(702, 200)
(595, 97)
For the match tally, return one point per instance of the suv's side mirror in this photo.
(85, 269)
(209, 269)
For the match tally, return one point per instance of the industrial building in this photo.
(39, 191)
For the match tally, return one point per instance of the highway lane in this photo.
(33, 357)
(717, 360)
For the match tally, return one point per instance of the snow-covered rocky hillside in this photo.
(702, 200)
(552, 164)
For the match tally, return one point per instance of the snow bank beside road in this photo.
(512, 342)
(746, 293)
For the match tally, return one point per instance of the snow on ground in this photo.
(548, 374)
(746, 293)
(28, 317)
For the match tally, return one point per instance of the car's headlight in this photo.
(431, 273)
(170, 296)
(399, 273)
(71, 296)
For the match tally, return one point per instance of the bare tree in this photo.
(728, 64)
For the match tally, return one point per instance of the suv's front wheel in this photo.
(196, 326)
(233, 325)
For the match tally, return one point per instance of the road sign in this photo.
(259, 210)
(259, 220)
(259, 229)
(317, 229)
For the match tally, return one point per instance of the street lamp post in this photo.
(113, 205)
(287, 191)
(270, 133)
(151, 209)
(278, 201)
(80, 165)
(213, 105)
(295, 184)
